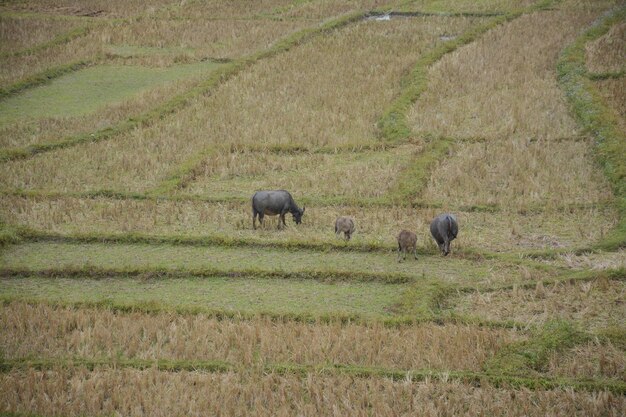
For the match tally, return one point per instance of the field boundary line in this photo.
(57, 40)
(150, 273)
(597, 118)
(152, 307)
(599, 76)
(26, 234)
(303, 370)
(363, 202)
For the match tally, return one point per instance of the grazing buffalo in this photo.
(344, 225)
(275, 203)
(444, 229)
(407, 241)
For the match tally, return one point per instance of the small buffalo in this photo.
(407, 241)
(275, 203)
(344, 225)
(444, 229)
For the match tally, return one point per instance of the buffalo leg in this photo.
(415, 252)
(446, 247)
(254, 213)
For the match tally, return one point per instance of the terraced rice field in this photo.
(133, 135)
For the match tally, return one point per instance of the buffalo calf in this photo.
(344, 225)
(407, 241)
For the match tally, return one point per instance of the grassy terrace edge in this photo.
(33, 81)
(474, 378)
(57, 40)
(598, 119)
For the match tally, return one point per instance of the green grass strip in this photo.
(598, 119)
(532, 356)
(163, 273)
(415, 176)
(595, 76)
(474, 378)
(36, 80)
(57, 40)
(397, 321)
(393, 125)
(320, 201)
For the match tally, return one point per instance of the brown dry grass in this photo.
(285, 9)
(503, 85)
(98, 8)
(480, 230)
(326, 92)
(16, 68)
(137, 393)
(42, 331)
(608, 53)
(593, 304)
(369, 174)
(18, 33)
(614, 92)
(199, 39)
(518, 173)
(602, 260)
(481, 6)
(591, 360)
(46, 130)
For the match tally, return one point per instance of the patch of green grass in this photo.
(531, 356)
(85, 91)
(250, 260)
(248, 296)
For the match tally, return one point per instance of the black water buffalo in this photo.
(275, 203)
(444, 229)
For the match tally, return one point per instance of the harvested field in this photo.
(14, 69)
(89, 8)
(598, 261)
(195, 39)
(133, 135)
(508, 72)
(253, 260)
(43, 331)
(20, 33)
(519, 173)
(607, 53)
(594, 304)
(466, 6)
(315, 10)
(590, 360)
(46, 130)
(377, 225)
(133, 393)
(315, 110)
(247, 296)
(345, 175)
(89, 90)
